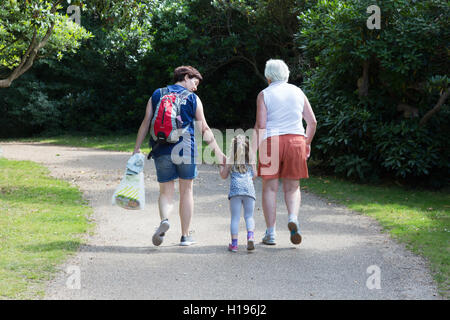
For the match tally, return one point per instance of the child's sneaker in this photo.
(232, 248)
(159, 234)
(296, 238)
(250, 242)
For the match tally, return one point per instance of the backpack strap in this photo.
(181, 97)
(185, 94)
(163, 92)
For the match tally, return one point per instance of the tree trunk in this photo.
(30, 55)
(436, 108)
(363, 82)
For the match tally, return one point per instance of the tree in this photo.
(91, 89)
(30, 30)
(229, 41)
(376, 88)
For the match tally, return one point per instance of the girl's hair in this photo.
(240, 149)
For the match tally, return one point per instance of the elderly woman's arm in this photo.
(311, 123)
(260, 126)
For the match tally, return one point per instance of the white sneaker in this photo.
(159, 234)
(186, 240)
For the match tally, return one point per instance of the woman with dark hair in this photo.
(178, 160)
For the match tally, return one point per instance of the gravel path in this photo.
(120, 262)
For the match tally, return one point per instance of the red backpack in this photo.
(166, 120)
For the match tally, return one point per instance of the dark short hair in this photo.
(180, 72)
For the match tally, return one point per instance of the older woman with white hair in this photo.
(284, 145)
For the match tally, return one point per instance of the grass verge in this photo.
(420, 219)
(42, 222)
(109, 142)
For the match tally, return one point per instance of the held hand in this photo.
(255, 172)
(222, 158)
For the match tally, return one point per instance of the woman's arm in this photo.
(260, 127)
(207, 134)
(311, 124)
(143, 129)
(224, 170)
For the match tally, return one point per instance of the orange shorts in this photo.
(283, 157)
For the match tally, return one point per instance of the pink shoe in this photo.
(232, 248)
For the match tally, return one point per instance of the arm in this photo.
(224, 170)
(311, 124)
(143, 129)
(260, 127)
(207, 134)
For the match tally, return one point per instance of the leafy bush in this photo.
(370, 88)
(374, 92)
(26, 107)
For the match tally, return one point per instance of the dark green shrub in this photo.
(371, 88)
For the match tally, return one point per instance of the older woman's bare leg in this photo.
(269, 201)
(292, 196)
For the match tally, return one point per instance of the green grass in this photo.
(115, 143)
(420, 219)
(42, 222)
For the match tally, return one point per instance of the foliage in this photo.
(28, 107)
(89, 90)
(366, 134)
(229, 42)
(376, 93)
(31, 30)
(43, 221)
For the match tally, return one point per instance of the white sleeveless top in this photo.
(284, 103)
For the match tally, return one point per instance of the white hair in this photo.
(276, 70)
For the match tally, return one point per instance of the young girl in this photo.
(242, 191)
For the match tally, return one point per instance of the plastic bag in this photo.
(130, 194)
(135, 164)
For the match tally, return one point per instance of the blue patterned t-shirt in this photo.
(241, 184)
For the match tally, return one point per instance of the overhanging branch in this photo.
(30, 55)
(436, 108)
